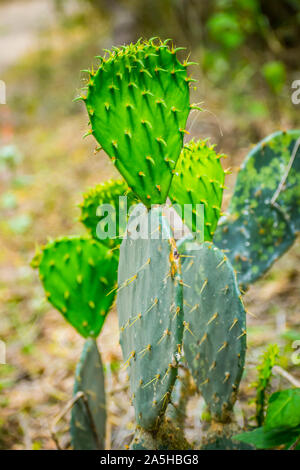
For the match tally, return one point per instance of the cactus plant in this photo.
(150, 313)
(174, 300)
(215, 334)
(88, 419)
(78, 274)
(199, 179)
(264, 214)
(138, 104)
(112, 196)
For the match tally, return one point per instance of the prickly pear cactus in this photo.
(88, 419)
(215, 334)
(78, 274)
(138, 103)
(264, 213)
(114, 197)
(150, 313)
(199, 179)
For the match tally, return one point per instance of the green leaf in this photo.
(268, 439)
(269, 359)
(284, 409)
(275, 75)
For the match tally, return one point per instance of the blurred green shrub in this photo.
(275, 75)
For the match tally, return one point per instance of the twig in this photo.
(286, 375)
(69, 405)
(283, 179)
(92, 422)
(118, 390)
(24, 425)
(293, 446)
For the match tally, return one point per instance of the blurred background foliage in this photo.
(248, 56)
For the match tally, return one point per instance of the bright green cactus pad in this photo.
(215, 335)
(150, 313)
(77, 274)
(199, 179)
(257, 232)
(138, 103)
(88, 419)
(114, 193)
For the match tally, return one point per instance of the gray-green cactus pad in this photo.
(88, 418)
(215, 326)
(264, 214)
(150, 313)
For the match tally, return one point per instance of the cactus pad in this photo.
(264, 213)
(138, 103)
(215, 334)
(150, 313)
(77, 274)
(88, 419)
(114, 193)
(199, 179)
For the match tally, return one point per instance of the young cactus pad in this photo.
(199, 179)
(150, 313)
(111, 201)
(88, 418)
(215, 335)
(264, 213)
(138, 103)
(78, 274)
